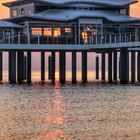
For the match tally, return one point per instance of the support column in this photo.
(84, 66)
(138, 66)
(29, 62)
(124, 66)
(1, 66)
(50, 67)
(20, 57)
(115, 66)
(74, 61)
(42, 66)
(62, 67)
(133, 67)
(53, 66)
(12, 67)
(110, 66)
(25, 67)
(97, 68)
(103, 66)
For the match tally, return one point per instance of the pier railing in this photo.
(109, 38)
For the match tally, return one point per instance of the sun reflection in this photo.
(54, 135)
(56, 118)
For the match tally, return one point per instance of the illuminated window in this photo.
(14, 13)
(67, 30)
(36, 31)
(48, 31)
(57, 32)
(85, 37)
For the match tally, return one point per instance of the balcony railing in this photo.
(97, 39)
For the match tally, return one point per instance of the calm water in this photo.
(80, 112)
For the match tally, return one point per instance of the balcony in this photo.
(100, 41)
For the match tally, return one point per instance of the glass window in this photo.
(48, 31)
(67, 30)
(14, 13)
(57, 32)
(36, 31)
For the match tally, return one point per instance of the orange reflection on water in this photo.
(57, 118)
(54, 135)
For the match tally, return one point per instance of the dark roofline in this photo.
(14, 3)
(39, 18)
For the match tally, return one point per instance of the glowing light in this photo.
(57, 32)
(85, 37)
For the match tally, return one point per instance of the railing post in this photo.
(3, 38)
(19, 38)
(96, 39)
(110, 38)
(38, 37)
(9, 40)
(115, 38)
(105, 39)
(125, 38)
(130, 37)
(120, 38)
(136, 35)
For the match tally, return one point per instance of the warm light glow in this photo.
(36, 31)
(48, 31)
(85, 37)
(57, 32)
(67, 30)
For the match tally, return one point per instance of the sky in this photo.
(4, 12)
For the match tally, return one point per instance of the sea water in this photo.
(69, 112)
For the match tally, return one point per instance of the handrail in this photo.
(107, 38)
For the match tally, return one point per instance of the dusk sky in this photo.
(4, 12)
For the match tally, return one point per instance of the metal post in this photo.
(115, 38)
(38, 39)
(18, 38)
(110, 38)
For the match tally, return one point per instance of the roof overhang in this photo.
(6, 24)
(71, 15)
(116, 3)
